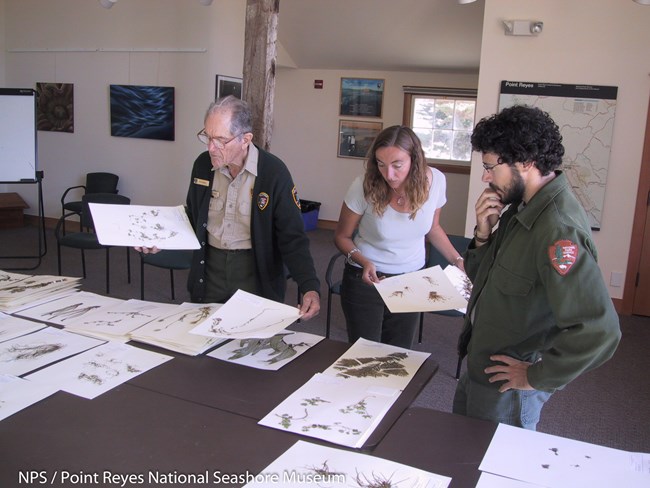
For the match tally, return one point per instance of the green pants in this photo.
(227, 272)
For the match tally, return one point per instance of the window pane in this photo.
(464, 115)
(462, 145)
(426, 138)
(444, 114)
(423, 113)
(442, 141)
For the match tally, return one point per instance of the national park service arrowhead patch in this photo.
(262, 200)
(563, 255)
(294, 194)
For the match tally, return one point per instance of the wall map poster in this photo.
(585, 115)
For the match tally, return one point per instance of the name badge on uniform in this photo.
(199, 181)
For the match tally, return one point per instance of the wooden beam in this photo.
(260, 53)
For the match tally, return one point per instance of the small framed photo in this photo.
(227, 85)
(356, 137)
(362, 97)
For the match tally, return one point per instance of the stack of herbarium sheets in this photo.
(19, 290)
(346, 402)
(171, 329)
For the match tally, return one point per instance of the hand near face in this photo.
(488, 209)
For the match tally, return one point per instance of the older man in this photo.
(245, 210)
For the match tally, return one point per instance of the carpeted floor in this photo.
(609, 406)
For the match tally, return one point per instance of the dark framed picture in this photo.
(361, 97)
(144, 112)
(227, 85)
(356, 136)
(55, 107)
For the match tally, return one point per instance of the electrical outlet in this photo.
(616, 279)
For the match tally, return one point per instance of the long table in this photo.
(198, 416)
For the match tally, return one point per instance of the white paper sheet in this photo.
(115, 322)
(96, 371)
(171, 330)
(11, 327)
(489, 480)
(17, 394)
(248, 316)
(306, 465)
(341, 411)
(68, 309)
(461, 282)
(378, 364)
(554, 461)
(16, 291)
(141, 225)
(29, 352)
(271, 353)
(426, 290)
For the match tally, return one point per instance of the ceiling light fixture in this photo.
(107, 3)
(643, 2)
(463, 2)
(523, 27)
(207, 3)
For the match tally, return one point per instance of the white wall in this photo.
(305, 134)
(600, 42)
(151, 172)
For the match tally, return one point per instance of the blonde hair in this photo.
(375, 187)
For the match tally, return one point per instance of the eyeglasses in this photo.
(206, 139)
(490, 169)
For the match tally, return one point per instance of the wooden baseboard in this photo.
(50, 222)
(327, 224)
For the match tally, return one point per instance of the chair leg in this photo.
(83, 263)
(421, 327)
(329, 313)
(108, 267)
(460, 364)
(128, 265)
(58, 256)
(141, 278)
(171, 279)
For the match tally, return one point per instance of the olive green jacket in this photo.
(539, 294)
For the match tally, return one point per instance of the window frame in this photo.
(411, 92)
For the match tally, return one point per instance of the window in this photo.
(443, 119)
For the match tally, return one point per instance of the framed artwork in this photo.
(55, 107)
(361, 97)
(227, 85)
(144, 112)
(355, 137)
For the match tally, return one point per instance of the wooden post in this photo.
(259, 65)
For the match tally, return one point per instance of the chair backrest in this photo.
(435, 258)
(112, 198)
(329, 278)
(101, 183)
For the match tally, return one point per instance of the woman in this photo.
(386, 216)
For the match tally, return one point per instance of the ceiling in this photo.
(383, 35)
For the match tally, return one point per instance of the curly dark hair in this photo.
(521, 134)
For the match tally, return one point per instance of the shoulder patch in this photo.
(262, 200)
(563, 255)
(294, 194)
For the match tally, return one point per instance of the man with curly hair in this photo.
(539, 314)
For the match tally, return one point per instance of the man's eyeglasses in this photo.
(206, 139)
(490, 168)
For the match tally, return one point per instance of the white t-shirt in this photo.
(393, 242)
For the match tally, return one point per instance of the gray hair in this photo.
(241, 115)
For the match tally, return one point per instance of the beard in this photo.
(514, 192)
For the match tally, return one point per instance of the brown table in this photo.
(439, 442)
(199, 415)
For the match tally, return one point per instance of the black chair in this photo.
(95, 183)
(333, 288)
(86, 238)
(435, 258)
(171, 259)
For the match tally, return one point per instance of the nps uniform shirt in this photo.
(538, 293)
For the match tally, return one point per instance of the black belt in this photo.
(230, 251)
